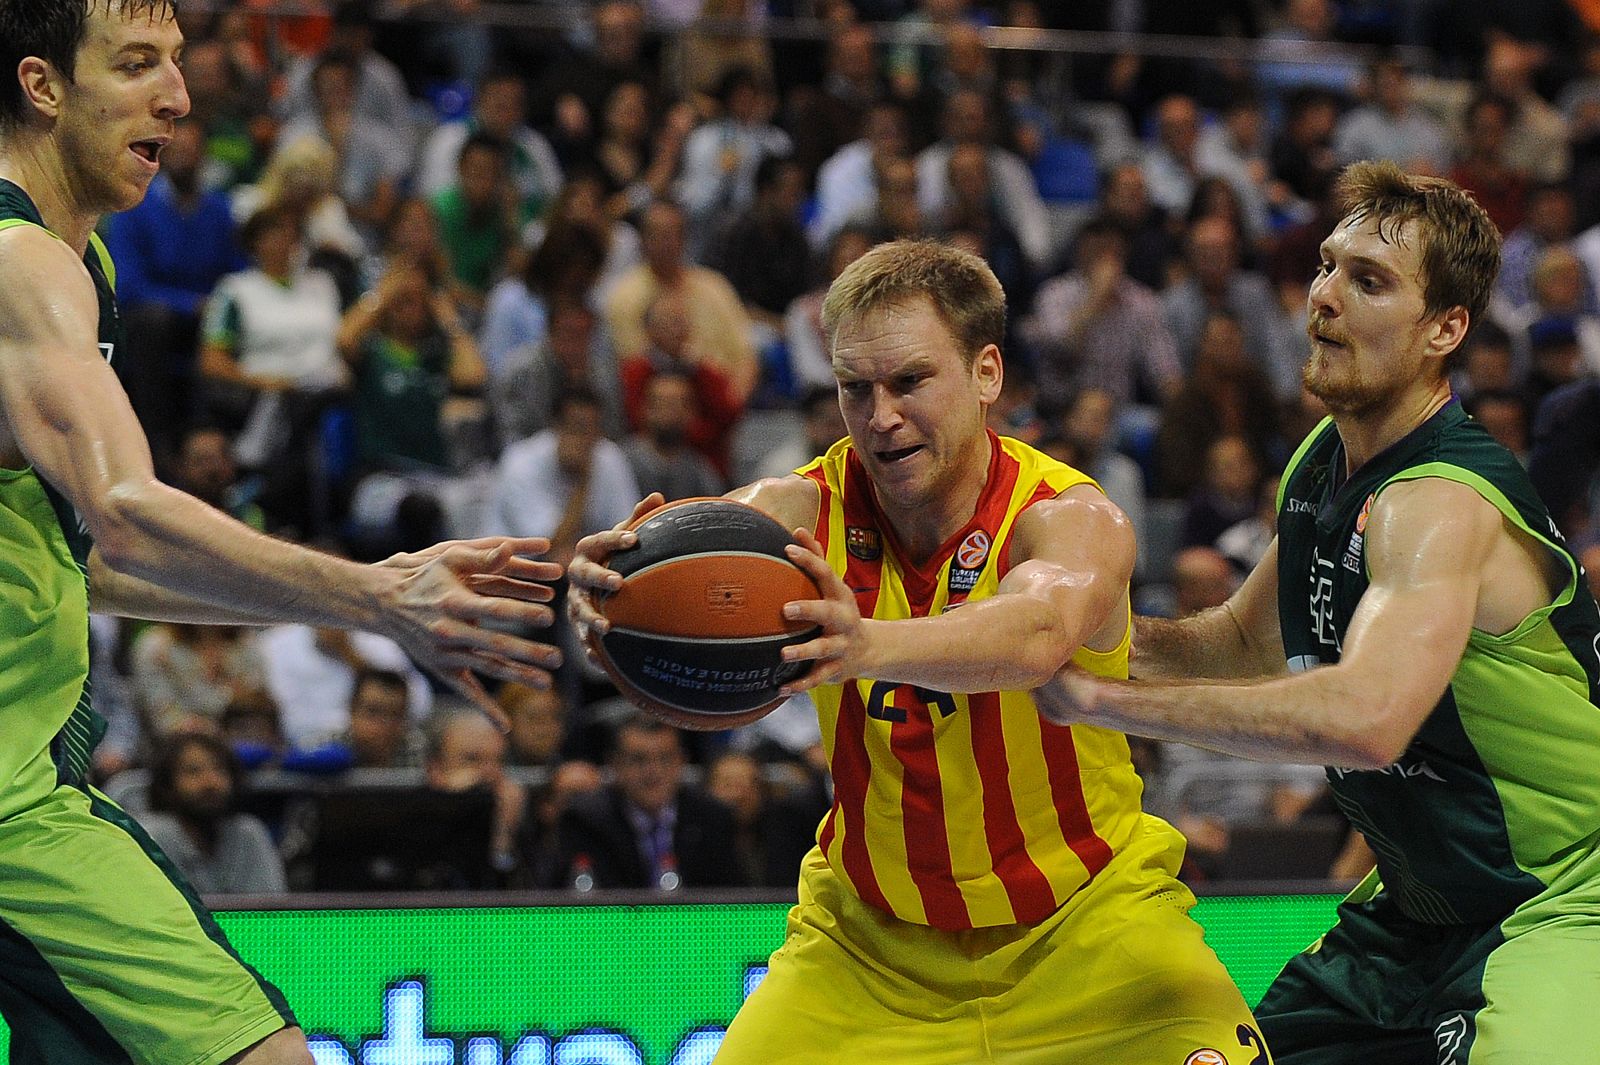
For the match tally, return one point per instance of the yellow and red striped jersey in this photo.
(952, 810)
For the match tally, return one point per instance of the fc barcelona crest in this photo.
(863, 543)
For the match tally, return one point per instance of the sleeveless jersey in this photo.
(1498, 794)
(957, 810)
(45, 701)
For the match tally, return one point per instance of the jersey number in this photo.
(880, 707)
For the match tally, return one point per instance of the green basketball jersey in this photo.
(1499, 792)
(44, 579)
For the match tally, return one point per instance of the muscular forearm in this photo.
(1008, 643)
(1314, 718)
(169, 552)
(1208, 644)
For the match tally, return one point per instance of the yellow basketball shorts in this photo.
(106, 955)
(1120, 975)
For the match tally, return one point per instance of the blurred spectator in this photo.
(570, 98)
(1202, 578)
(538, 724)
(564, 268)
(1302, 156)
(1561, 294)
(659, 452)
(1566, 456)
(412, 239)
(311, 674)
(540, 863)
(898, 215)
(575, 353)
(380, 733)
(810, 360)
(822, 425)
(251, 726)
(850, 183)
(1536, 142)
(1090, 423)
(183, 676)
(268, 359)
(773, 832)
(1125, 204)
(194, 786)
(719, 330)
(582, 203)
(1226, 395)
(465, 750)
(1556, 356)
(478, 216)
(1235, 150)
(764, 253)
(410, 356)
(373, 159)
(170, 251)
(124, 741)
(1096, 327)
(1548, 222)
(1245, 543)
(1175, 163)
(498, 111)
(1505, 416)
(204, 468)
(231, 109)
(826, 118)
(967, 121)
(1226, 494)
(1391, 126)
(1217, 283)
(1307, 30)
(911, 63)
(721, 156)
(648, 829)
(562, 482)
(637, 169)
(1486, 363)
(697, 62)
(1483, 167)
(669, 349)
(377, 93)
(302, 176)
(975, 213)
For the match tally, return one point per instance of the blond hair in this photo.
(963, 290)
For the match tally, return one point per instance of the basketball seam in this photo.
(618, 629)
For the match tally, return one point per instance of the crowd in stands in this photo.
(405, 280)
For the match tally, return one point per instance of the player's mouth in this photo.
(892, 456)
(149, 150)
(1326, 341)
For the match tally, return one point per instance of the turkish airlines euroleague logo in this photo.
(1206, 1057)
(969, 561)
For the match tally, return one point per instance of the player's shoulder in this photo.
(792, 500)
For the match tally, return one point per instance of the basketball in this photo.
(697, 628)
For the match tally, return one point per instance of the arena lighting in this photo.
(590, 984)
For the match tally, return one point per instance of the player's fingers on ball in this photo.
(585, 572)
(644, 506)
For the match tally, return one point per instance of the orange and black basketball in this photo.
(697, 628)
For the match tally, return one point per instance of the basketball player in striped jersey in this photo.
(985, 887)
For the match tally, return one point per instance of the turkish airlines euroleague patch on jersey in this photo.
(1206, 1057)
(968, 562)
(863, 543)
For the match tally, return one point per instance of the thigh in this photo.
(1540, 991)
(102, 940)
(1126, 978)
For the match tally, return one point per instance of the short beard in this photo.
(1353, 397)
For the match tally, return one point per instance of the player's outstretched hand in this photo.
(1068, 697)
(453, 603)
(839, 651)
(587, 573)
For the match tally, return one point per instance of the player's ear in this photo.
(1450, 329)
(990, 372)
(43, 86)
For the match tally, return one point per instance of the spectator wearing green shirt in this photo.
(480, 215)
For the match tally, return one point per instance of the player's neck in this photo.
(33, 165)
(1368, 434)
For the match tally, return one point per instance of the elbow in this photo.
(119, 525)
